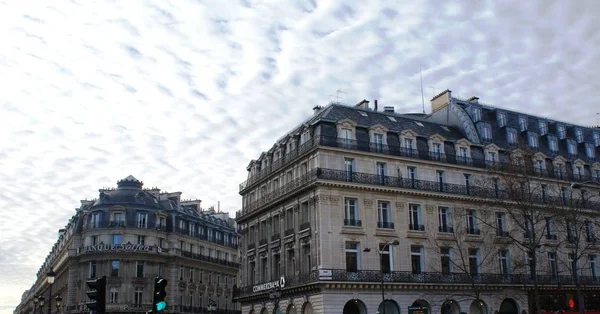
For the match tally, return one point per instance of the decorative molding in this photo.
(400, 207)
(429, 209)
(334, 200)
(368, 203)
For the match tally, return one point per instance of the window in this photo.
(305, 260)
(562, 132)
(511, 136)
(503, 262)
(565, 194)
(161, 243)
(491, 156)
(409, 144)
(386, 258)
(553, 144)
(362, 113)
(352, 256)
(192, 228)
(348, 169)
(191, 300)
(471, 222)
(578, 172)
(181, 273)
(539, 166)
(392, 118)
(114, 268)
(571, 147)
(474, 261)
(137, 297)
(501, 119)
(501, 224)
(446, 260)
(414, 211)
(573, 262)
(265, 269)
(94, 240)
(92, 269)
(139, 269)
(412, 175)
(440, 175)
(181, 225)
(351, 212)
(200, 276)
(191, 250)
(529, 263)
(378, 141)
(445, 222)
(464, 155)
(116, 239)
(182, 245)
(589, 231)
(496, 186)
(436, 151)
(579, 135)
(549, 234)
(468, 182)
(346, 136)
(522, 124)
(113, 296)
(141, 239)
(552, 264)
(381, 172)
(594, 266)
(384, 212)
(532, 138)
(142, 220)
(118, 217)
(486, 133)
(162, 223)
(590, 151)
(95, 220)
(416, 258)
(543, 127)
(597, 139)
(476, 114)
(276, 266)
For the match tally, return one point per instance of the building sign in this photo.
(325, 274)
(270, 285)
(116, 247)
(416, 309)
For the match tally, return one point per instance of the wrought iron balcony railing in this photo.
(416, 227)
(305, 225)
(385, 225)
(202, 257)
(374, 276)
(397, 150)
(353, 222)
(473, 231)
(445, 229)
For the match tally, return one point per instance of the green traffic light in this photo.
(161, 306)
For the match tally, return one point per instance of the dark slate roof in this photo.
(337, 113)
(128, 191)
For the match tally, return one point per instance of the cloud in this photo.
(182, 95)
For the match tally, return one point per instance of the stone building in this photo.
(132, 235)
(359, 209)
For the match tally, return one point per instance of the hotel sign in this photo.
(117, 247)
(270, 285)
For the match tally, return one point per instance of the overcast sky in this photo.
(182, 94)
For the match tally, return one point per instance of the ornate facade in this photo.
(323, 208)
(132, 235)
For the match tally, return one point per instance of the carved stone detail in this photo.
(400, 206)
(368, 203)
(429, 209)
(334, 200)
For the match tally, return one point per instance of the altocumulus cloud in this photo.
(183, 94)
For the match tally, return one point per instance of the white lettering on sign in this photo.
(270, 285)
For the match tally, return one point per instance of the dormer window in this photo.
(532, 139)
(572, 147)
(562, 132)
(597, 139)
(539, 165)
(476, 114)
(501, 119)
(579, 135)
(590, 152)
(553, 144)
(486, 132)
(543, 127)
(409, 143)
(511, 136)
(523, 124)
(491, 157)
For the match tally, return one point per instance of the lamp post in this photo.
(42, 299)
(50, 276)
(58, 300)
(380, 252)
(35, 302)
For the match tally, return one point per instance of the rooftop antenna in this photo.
(337, 95)
(598, 119)
(422, 97)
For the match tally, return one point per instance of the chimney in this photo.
(474, 99)
(375, 104)
(316, 110)
(363, 104)
(388, 109)
(440, 100)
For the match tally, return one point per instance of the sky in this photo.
(183, 94)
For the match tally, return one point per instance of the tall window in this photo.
(572, 147)
(383, 210)
(486, 133)
(549, 232)
(192, 230)
(446, 260)
(437, 151)
(307, 267)
(444, 219)
(416, 258)
(96, 220)
(94, 240)
(381, 172)
(522, 124)
(440, 174)
(93, 269)
(594, 266)
(137, 297)
(346, 138)
(533, 140)
(529, 263)
(348, 169)
(590, 151)
(472, 222)
(589, 230)
(113, 295)
(265, 269)
(511, 135)
(553, 144)
(276, 266)
(552, 266)
(378, 141)
(491, 156)
(501, 224)
(181, 272)
(562, 132)
(579, 135)
(352, 256)
(386, 257)
(409, 144)
(597, 139)
(114, 268)
(464, 155)
(543, 127)
(468, 182)
(503, 262)
(139, 269)
(351, 212)
(474, 261)
(501, 119)
(414, 211)
(116, 239)
(476, 114)
(412, 175)
(142, 220)
(141, 240)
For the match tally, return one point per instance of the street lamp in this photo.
(35, 302)
(380, 252)
(42, 299)
(50, 276)
(58, 299)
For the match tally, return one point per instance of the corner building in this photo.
(320, 206)
(132, 235)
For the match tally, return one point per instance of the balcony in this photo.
(251, 246)
(205, 258)
(408, 277)
(446, 229)
(275, 237)
(353, 222)
(262, 242)
(305, 225)
(115, 224)
(551, 237)
(385, 225)
(288, 232)
(416, 227)
(473, 231)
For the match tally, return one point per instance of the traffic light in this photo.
(160, 294)
(97, 294)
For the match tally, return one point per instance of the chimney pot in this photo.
(375, 102)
